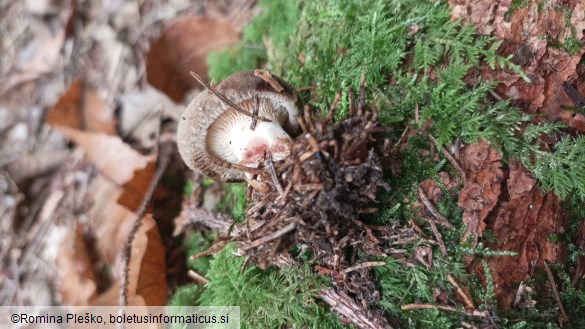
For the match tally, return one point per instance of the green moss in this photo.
(273, 298)
(234, 201)
(572, 45)
(414, 60)
(186, 295)
(517, 4)
(196, 243)
(400, 285)
(273, 27)
(188, 188)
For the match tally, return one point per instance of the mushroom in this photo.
(225, 141)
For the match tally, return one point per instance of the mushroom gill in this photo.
(230, 138)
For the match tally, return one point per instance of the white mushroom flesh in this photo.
(230, 138)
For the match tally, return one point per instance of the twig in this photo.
(362, 94)
(214, 221)
(496, 96)
(197, 277)
(555, 290)
(333, 108)
(225, 99)
(461, 292)
(266, 76)
(275, 235)
(468, 325)
(449, 157)
(351, 96)
(255, 113)
(362, 265)
(269, 165)
(165, 151)
(345, 306)
(429, 205)
(408, 307)
(402, 138)
(213, 249)
(519, 294)
(438, 236)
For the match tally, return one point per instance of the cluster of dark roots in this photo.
(317, 198)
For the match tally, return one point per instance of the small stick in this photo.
(308, 114)
(266, 76)
(468, 325)
(344, 305)
(428, 204)
(333, 108)
(438, 237)
(362, 95)
(351, 102)
(235, 166)
(273, 236)
(408, 307)
(496, 96)
(402, 138)
(302, 122)
(309, 187)
(165, 152)
(225, 100)
(362, 265)
(269, 165)
(307, 155)
(555, 290)
(197, 277)
(375, 113)
(311, 87)
(450, 158)
(213, 249)
(519, 294)
(461, 292)
(313, 142)
(255, 113)
(286, 191)
(416, 114)
(245, 264)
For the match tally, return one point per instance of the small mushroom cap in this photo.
(208, 124)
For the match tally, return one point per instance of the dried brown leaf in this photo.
(75, 269)
(134, 191)
(151, 283)
(183, 47)
(83, 109)
(67, 112)
(112, 157)
(38, 163)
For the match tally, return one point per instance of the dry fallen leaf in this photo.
(183, 47)
(35, 164)
(110, 154)
(134, 191)
(151, 283)
(75, 269)
(38, 58)
(140, 114)
(147, 269)
(82, 108)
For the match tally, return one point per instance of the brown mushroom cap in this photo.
(208, 125)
